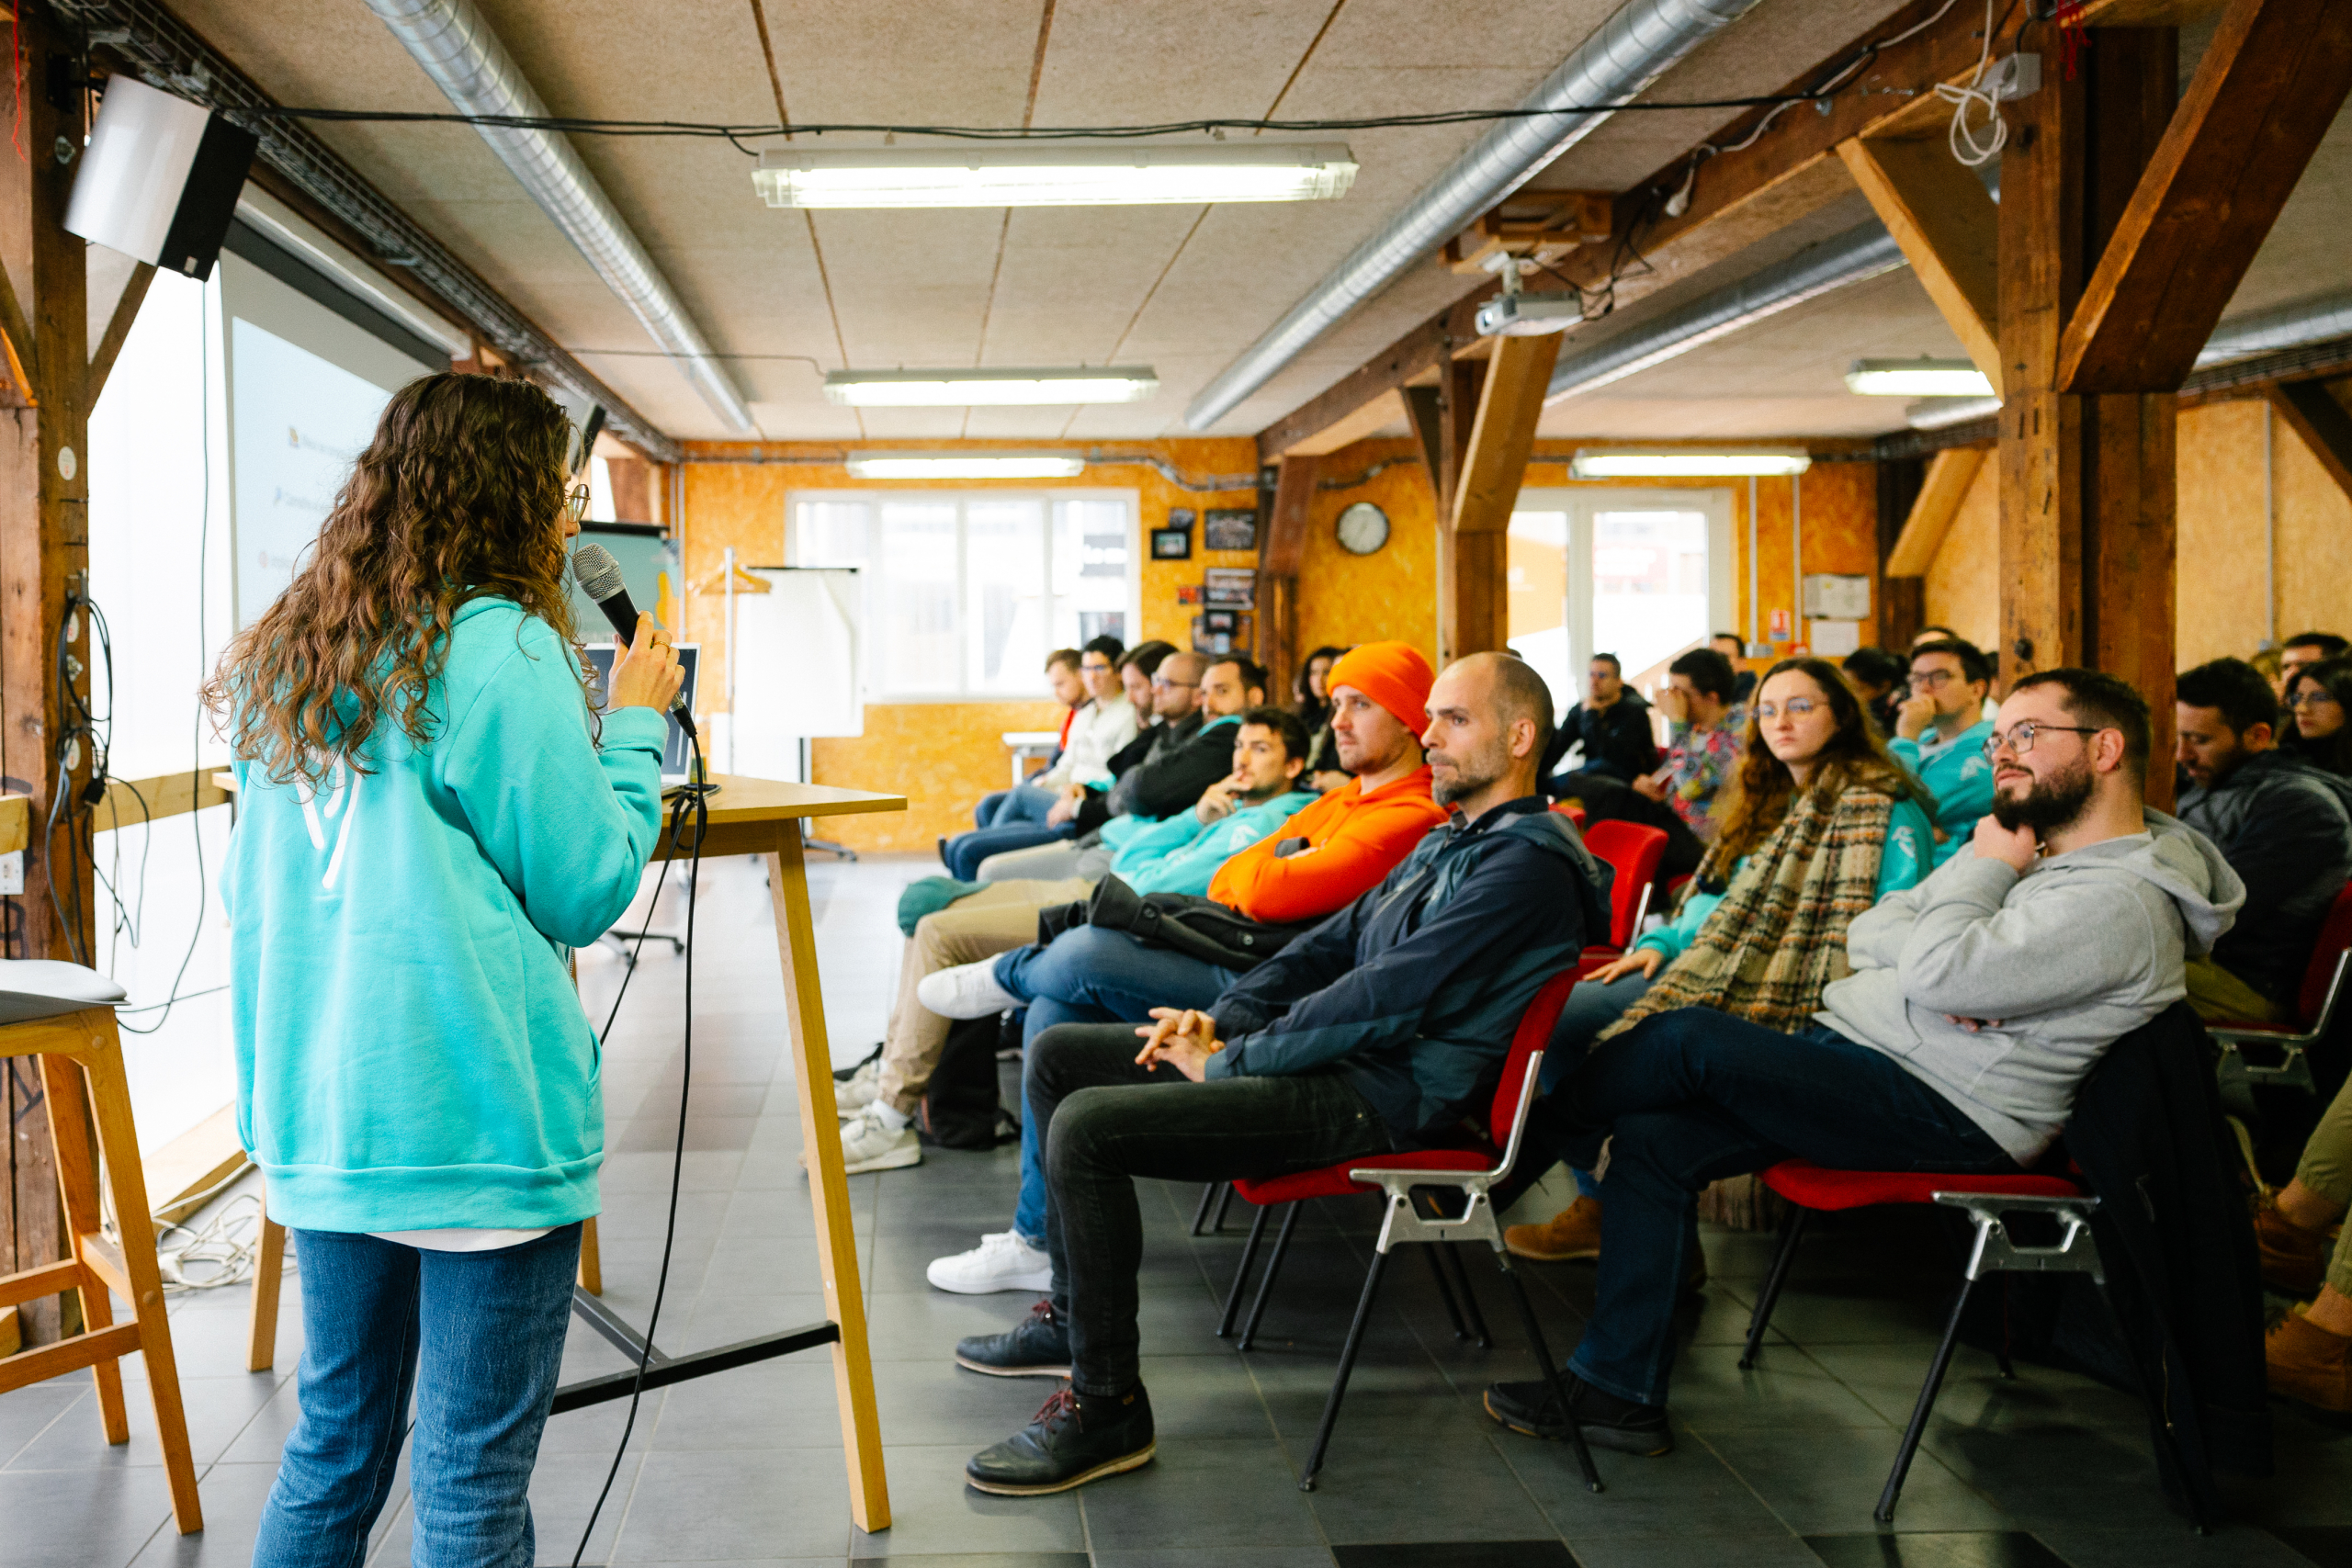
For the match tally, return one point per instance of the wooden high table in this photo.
(762, 817)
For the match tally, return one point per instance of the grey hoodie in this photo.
(2075, 952)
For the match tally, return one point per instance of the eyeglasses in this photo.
(1162, 683)
(2020, 737)
(2310, 699)
(575, 506)
(1795, 707)
(1097, 668)
(1929, 680)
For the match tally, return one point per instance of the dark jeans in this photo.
(480, 1337)
(1692, 1096)
(1121, 1122)
(1605, 800)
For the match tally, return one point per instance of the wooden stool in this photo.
(82, 1079)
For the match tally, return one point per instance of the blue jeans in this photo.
(1691, 1096)
(1022, 803)
(1086, 976)
(1592, 1009)
(1011, 830)
(479, 1336)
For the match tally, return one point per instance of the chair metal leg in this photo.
(1347, 1365)
(1928, 1390)
(1791, 1231)
(1224, 1201)
(1551, 1370)
(1266, 1280)
(1241, 1275)
(1469, 1297)
(1208, 1196)
(1445, 1294)
(2159, 1421)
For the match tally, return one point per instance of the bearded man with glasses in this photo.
(1979, 1002)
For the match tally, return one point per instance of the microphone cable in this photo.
(695, 797)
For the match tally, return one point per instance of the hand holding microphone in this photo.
(646, 672)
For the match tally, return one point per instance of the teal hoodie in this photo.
(1181, 854)
(1959, 774)
(411, 1052)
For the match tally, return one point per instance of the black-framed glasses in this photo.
(575, 506)
(2020, 737)
(1795, 707)
(1929, 680)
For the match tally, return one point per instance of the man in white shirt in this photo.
(1103, 721)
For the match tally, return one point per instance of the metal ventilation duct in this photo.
(1628, 52)
(454, 43)
(1850, 257)
(2288, 326)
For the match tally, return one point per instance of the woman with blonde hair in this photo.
(1822, 822)
(427, 819)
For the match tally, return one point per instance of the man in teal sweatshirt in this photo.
(1939, 733)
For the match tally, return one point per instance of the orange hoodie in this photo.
(1356, 839)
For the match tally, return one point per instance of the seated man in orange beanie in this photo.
(1319, 861)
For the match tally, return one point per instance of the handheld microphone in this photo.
(599, 576)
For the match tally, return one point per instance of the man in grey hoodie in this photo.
(1978, 1002)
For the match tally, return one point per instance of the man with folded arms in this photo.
(1979, 1002)
(1385, 1028)
(1314, 864)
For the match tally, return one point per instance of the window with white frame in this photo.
(967, 592)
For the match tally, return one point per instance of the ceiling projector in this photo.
(1528, 315)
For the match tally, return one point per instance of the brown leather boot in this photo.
(2294, 1260)
(2307, 1362)
(1573, 1232)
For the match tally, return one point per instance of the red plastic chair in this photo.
(1635, 852)
(1467, 1172)
(1572, 811)
(1811, 1189)
(2315, 1012)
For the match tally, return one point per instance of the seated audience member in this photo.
(1704, 729)
(1179, 855)
(1314, 691)
(1879, 678)
(2318, 696)
(1819, 823)
(1978, 1002)
(2303, 1255)
(2283, 823)
(1731, 648)
(1939, 735)
(1317, 861)
(1100, 723)
(2304, 649)
(2267, 663)
(1383, 1029)
(1934, 634)
(1612, 725)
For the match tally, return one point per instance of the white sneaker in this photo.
(1001, 1262)
(856, 1092)
(870, 1143)
(967, 990)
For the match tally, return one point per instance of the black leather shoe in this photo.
(1072, 1439)
(1608, 1421)
(1039, 1348)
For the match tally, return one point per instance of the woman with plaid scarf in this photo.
(1821, 823)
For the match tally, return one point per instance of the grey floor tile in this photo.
(2056, 1475)
(784, 1403)
(233, 1496)
(1786, 1389)
(1887, 1377)
(216, 1409)
(1689, 1491)
(1450, 1492)
(1202, 1493)
(68, 1518)
(1964, 1549)
(1456, 1554)
(1218, 1557)
(1826, 1481)
(933, 1512)
(2165, 1543)
(26, 1412)
(734, 1505)
(1776, 1550)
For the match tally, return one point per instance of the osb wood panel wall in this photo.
(942, 756)
(2219, 609)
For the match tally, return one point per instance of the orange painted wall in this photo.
(940, 756)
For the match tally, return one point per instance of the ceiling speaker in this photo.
(160, 179)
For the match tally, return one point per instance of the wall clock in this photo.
(1363, 528)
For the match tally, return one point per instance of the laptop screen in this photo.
(674, 753)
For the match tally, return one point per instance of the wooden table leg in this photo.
(71, 1138)
(592, 1259)
(269, 1273)
(820, 1133)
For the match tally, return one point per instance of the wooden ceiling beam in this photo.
(126, 311)
(1944, 218)
(2265, 92)
(1428, 345)
(1285, 544)
(2314, 412)
(1949, 474)
(1494, 461)
(1387, 409)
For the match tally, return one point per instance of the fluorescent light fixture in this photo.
(1631, 463)
(953, 389)
(966, 465)
(1942, 414)
(1917, 378)
(1054, 174)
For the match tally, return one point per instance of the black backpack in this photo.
(1182, 922)
(961, 1109)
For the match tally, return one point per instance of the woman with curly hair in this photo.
(426, 821)
(2319, 700)
(1821, 823)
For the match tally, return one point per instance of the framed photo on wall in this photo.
(1229, 530)
(1231, 588)
(1225, 621)
(1171, 544)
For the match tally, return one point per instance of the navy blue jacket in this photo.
(1415, 990)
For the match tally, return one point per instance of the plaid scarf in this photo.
(1779, 937)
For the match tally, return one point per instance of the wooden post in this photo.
(1494, 466)
(44, 548)
(1280, 546)
(1441, 417)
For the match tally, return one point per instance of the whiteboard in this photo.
(799, 666)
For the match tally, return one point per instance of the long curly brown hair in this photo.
(1855, 755)
(457, 497)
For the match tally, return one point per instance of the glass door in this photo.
(1642, 574)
